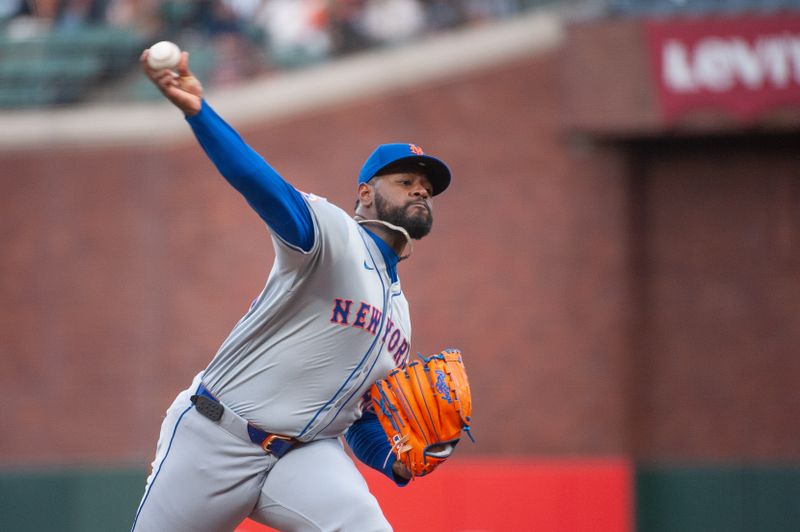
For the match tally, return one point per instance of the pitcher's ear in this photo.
(365, 194)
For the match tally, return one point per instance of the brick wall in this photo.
(718, 301)
(124, 269)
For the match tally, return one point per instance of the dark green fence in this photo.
(718, 499)
(70, 500)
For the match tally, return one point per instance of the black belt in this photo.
(274, 444)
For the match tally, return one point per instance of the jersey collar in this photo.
(389, 256)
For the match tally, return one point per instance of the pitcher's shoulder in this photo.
(311, 197)
(321, 205)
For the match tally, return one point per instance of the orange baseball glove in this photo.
(423, 407)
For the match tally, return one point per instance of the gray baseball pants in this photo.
(209, 476)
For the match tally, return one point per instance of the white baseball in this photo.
(163, 54)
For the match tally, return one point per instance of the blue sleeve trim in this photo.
(368, 442)
(278, 203)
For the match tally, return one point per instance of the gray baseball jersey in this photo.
(328, 323)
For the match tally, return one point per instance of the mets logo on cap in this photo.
(416, 150)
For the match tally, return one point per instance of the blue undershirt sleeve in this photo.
(368, 442)
(278, 203)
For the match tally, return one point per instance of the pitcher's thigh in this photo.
(204, 478)
(317, 487)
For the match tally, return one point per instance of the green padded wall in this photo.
(717, 498)
(70, 500)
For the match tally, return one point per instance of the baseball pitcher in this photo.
(322, 352)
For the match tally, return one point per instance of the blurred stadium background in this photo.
(618, 255)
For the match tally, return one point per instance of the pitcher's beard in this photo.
(417, 226)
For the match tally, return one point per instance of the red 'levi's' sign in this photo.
(744, 65)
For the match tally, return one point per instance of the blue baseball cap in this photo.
(402, 154)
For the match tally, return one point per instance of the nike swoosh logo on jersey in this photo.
(367, 266)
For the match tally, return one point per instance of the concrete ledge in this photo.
(280, 96)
